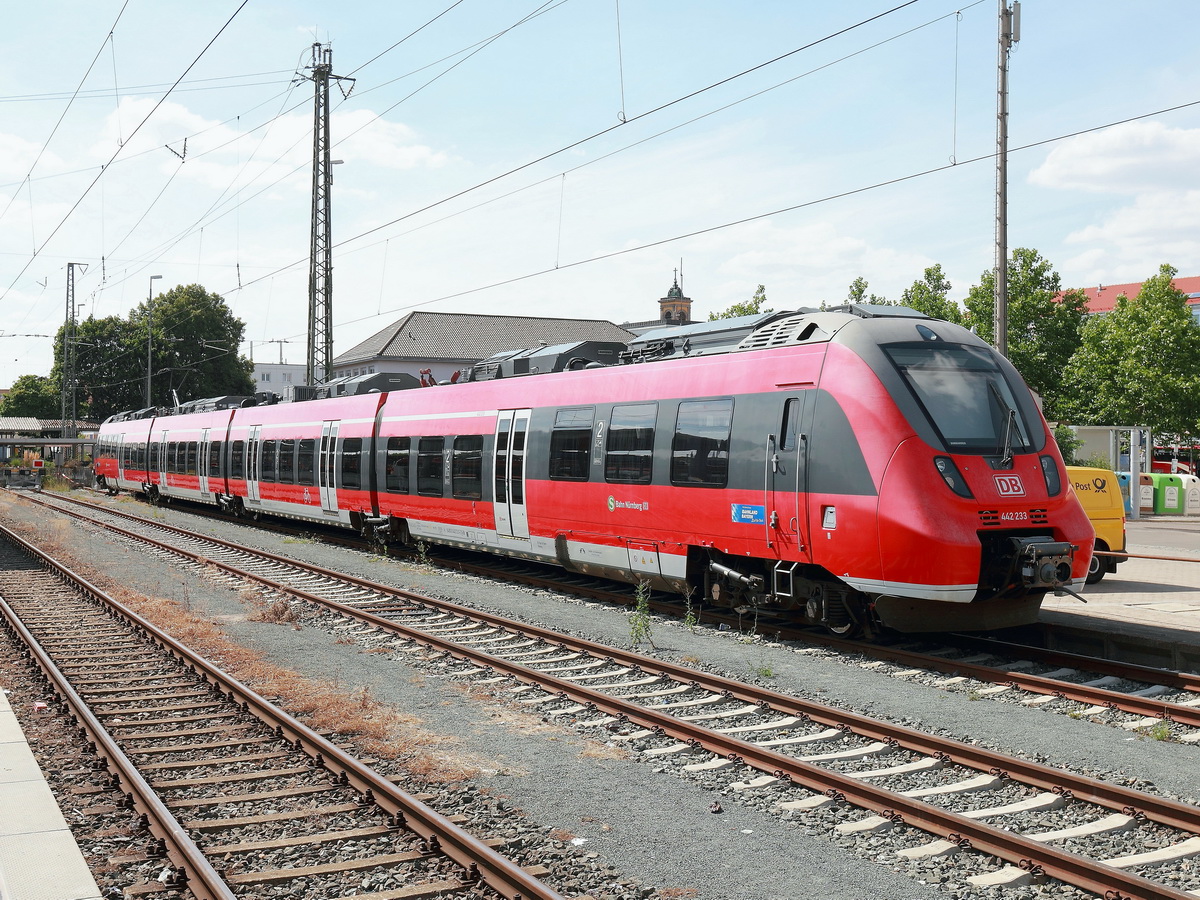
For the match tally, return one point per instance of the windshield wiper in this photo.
(1010, 425)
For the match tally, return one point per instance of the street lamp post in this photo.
(149, 335)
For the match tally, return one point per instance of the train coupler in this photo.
(1043, 562)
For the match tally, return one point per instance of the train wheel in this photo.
(1096, 566)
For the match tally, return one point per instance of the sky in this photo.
(568, 158)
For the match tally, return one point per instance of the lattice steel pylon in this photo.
(320, 263)
(69, 388)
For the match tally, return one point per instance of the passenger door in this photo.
(253, 451)
(327, 466)
(202, 460)
(512, 426)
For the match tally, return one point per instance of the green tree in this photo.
(1043, 332)
(928, 295)
(110, 366)
(1139, 364)
(35, 396)
(193, 349)
(858, 293)
(751, 307)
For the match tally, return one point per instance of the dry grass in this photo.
(276, 612)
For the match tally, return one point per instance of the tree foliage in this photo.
(857, 293)
(33, 395)
(1139, 364)
(930, 294)
(751, 307)
(193, 352)
(1043, 332)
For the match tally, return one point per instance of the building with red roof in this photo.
(1103, 298)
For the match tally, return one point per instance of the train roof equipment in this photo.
(548, 358)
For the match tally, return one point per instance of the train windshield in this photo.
(966, 397)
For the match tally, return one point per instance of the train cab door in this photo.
(787, 450)
(327, 466)
(202, 462)
(508, 467)
(253, 452)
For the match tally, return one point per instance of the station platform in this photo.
(39, 859)
(1159, 593)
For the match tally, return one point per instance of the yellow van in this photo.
(1100, 496)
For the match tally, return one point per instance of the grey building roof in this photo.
(22, 425)
(466, 337)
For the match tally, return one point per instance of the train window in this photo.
(501, 461)
(287, 461)
(305, 454)
(966, 396)
(237, 460)
(155, 449)
(214, 459)
(193, 450)
(700, 448)
(466, 467)
(398, 449)
(352, 463)
(517, 481)
(429, 466)
(629, 453)
(789, 431)
(571, 444)
(268, 461)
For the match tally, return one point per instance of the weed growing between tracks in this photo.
(639, 619)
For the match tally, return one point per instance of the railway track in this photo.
(978, 799)
(1125, 695)
(240, 797)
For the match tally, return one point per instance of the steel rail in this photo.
(439, 833)
(1184, 681)
(1167, 812)
(191, 866)
(1014, 848)
(1040, 684)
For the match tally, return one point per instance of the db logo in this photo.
(1010, 485)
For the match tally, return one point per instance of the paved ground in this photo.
(1162, 591)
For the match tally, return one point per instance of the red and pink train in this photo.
(860, 467)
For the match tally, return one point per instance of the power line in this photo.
(102, 93)
(88, 189)
(66, 109)
(600, 133)
(913, 176)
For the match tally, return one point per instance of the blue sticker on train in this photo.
(749, 515)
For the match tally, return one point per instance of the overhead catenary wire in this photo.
(900, 179)
(581, 141)
(67, 108)
(88, 189)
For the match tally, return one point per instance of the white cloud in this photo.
(1132, 242)
(1127, 159)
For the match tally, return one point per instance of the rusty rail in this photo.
(475, 856)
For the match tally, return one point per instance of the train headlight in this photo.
(1050, 474)
(950, 474)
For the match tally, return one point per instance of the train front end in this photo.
(977, 522)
